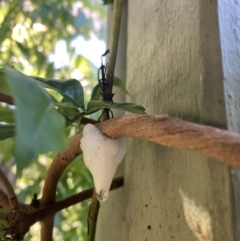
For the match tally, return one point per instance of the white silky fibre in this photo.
(102, 156)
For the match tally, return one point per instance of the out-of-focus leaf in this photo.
(70, 89)
(120, 84)
(4, 87)
(68, 110)
(50, 70)
(80, 19)
(6, 115)
(6, 149)
(40, 128)
(23, 49)
(6, 131)
(129, 107)
(106, 2)
(96, 92)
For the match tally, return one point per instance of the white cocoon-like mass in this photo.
(102, 156)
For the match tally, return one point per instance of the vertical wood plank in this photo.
(229, 19)
(174, 66)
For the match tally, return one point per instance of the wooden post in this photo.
(174, 66)
(230, 45)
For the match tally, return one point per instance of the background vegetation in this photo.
(29, 32)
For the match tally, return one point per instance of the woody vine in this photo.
(51, 116)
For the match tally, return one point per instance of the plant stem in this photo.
(114, 37)
(116, 23)
(13, 202)
(50, 209)
(4, 200)
(173, 132)
(107, 95)
(6, 99)
(9, 100)
(20, 221)
(92, 217)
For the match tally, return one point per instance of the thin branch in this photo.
(168, 131)
(163, 130)
(116, 22)
(93, 217)
(6, 99)
(173, 132)
(9, 100)
(19, 222)
(60, 162)
(4, 200)
(9, 190)
(86, 120)
(52, 208)
(47, 224)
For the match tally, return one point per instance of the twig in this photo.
(92, 217)
(173, 132)
(20, 221)
(85, 120)
(13, 202)
(4, 200)
(47, 212)
(52, 208)
(47, 224)
(60, 162)
(6, 99)
(164, 130)
(9, 100)
(168, 131)
(116, 22)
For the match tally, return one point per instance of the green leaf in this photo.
(68, 110)
(6, 115)
(6, 149)
(40, 128)
(4, 88)
(6, 131)
(129, 107)
(23, 49)
(96, 92)
(106, 2)
(70, 89)
(120, 84)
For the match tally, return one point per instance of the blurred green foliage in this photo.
(49, 101)
(30, 30)
(108, 2)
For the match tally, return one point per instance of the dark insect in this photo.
(103, 84)
(102, 74)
